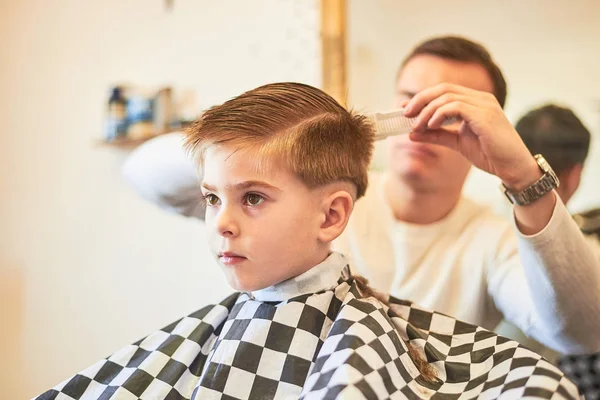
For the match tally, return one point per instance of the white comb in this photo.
(395, 123)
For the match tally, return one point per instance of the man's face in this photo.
(262, 227)
(426, 166)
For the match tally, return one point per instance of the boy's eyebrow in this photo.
(243, 185)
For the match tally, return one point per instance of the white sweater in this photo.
(466, 265)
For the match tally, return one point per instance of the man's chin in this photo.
(411, 174)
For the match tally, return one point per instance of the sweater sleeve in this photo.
(161, 172)
(550, 287)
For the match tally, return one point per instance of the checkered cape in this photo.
(332, 344)
(584, 370)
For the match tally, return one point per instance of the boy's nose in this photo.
(226, 223)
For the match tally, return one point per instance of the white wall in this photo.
(548, 51)
(98, 267)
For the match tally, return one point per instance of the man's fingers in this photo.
(439, 136)
(423, 98)
(455, 109)
(424, 117)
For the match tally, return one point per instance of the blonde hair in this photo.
(301, 126)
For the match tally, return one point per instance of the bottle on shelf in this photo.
(116, 118)
(139, 117)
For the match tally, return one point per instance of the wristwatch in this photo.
(548, 182)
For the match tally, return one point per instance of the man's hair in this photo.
(298, 125)
(557, 134)
(457, 48)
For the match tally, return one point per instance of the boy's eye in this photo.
(253, 199)
(211, 199)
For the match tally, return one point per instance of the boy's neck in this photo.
(319, 277)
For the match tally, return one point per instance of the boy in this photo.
(283, 165)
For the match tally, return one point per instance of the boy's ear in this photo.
(337, 208)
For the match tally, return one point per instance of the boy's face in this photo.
(262, 227)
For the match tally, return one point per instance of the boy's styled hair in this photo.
(299, 126)
(458, 48)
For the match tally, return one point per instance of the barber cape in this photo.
(317, 337)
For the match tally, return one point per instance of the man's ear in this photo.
(336, 208)
(569, 182)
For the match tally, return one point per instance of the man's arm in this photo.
(161, 172)
(560, 279)
(485, 137)
(550, 287)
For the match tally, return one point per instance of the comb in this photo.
(394, 123)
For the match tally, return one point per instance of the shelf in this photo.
(125, 143)
(128, 143)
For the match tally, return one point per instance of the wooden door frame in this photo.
(333, 49)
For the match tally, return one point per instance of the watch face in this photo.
(547, 169)
(542, 163)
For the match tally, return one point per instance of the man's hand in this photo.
(485, 136)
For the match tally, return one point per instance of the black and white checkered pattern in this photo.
(165, 364)
(584, 370)
(332, 344)
(266, 350)
(470, 361)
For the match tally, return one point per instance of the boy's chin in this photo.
(242, 285)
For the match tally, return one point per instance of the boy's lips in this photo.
(230, 258)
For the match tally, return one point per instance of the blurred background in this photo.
(86, 266)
